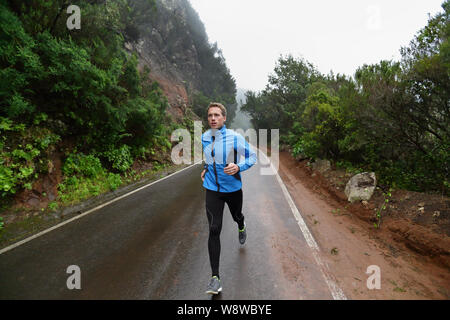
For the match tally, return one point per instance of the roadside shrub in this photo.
(23, 154)
(85, 165)
(114, 180)
(120, 159)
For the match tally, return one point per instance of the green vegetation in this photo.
(85, 177)
(213, 82)
(81, 94)
(391, 117)
(22, 153)
(387, 195)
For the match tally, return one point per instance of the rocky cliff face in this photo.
(170, 46)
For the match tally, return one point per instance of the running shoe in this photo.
(243, 234)
(214, 286)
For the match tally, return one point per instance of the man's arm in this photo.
(244, 149)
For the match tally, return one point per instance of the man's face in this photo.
(215, 118)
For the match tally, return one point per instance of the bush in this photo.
(85, 165)
(23, 153)
(114, 180)
(120, 159)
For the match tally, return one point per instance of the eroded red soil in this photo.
(412, 246)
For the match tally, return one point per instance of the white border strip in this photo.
(336, 292)
(89, 211)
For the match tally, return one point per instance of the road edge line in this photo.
(21, 242)
(336, 292)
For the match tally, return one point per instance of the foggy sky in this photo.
(333, 35)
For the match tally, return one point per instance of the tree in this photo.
(288, 87)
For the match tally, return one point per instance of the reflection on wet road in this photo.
(153, 245)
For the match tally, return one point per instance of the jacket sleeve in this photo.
(244, 149)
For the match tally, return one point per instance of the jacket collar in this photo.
(223, 129)
(213, 132)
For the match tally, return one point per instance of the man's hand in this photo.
(231, 169)
(202, 175)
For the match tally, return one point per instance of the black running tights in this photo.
(215, 203)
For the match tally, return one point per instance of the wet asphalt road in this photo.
(153, 245)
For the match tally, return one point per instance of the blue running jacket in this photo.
(220, 147)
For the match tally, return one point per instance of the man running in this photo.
(222, 180)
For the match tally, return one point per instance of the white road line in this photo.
(89, 211)
(336, 292)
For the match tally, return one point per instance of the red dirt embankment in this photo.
(412, 246)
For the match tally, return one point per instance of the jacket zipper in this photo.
(214, 163)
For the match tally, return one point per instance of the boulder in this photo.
(361, 187)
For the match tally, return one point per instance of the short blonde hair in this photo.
(218, 105)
